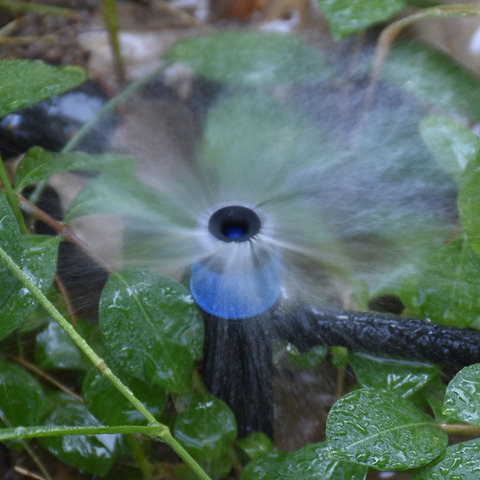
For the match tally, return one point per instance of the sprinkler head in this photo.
(234, 223)
(238, 275)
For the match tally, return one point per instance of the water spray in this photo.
(238, 277)
(236, 281)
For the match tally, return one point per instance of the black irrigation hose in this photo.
(238, 356)
(379, 333)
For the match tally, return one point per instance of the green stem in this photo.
(156, 428)
(143, 464)
(12, 198)
(61, 431)
(110, 106)
(110, 17)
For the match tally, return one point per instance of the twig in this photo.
(40, 373)
(154, 428)
(62, 230)
(25, 7)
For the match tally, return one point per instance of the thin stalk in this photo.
(24, 7)
(156, 428)
(460, 429)
(26, 433)
(110, 17)
(390, 33)
(29, 451)
(62, 230)
(12, 198)
(140, 459)
(87, 127)
(110, 106)
(40, 373)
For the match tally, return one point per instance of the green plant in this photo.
(151, 349)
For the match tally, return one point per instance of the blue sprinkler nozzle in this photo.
(239, 274)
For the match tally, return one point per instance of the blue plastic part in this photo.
(236, 295)
(234, 231)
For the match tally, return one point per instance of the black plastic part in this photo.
(52, 123)
(235, 217)
(238, 354)
(378, 333)
(238, 369)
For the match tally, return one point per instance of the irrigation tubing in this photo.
(371, 332)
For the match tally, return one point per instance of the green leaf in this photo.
(207, 428)
(152, 327)
(112, 408)
(309, 463)
(93, 454)
(313, 462)
(55, 349)
(253, 59)
(118, 193)
(379, 429)
(10, 242)
(459, 462)
(469, 202)
(21, 397)
(350, 16)
(434, 395)
(265, 467)
(314, 357)
(433, 77)
(38, 260)
(462, 398)
(255, 445)
(447, 290)
(39, 164)
(26, 82)
(405, 377)
(451, 143)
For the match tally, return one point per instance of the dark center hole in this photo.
(234, 224)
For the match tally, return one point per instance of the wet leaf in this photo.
(403, 376)
(346, 16)
(434, 395)
(314, 357)
(152, 327)
(254, 59)
(313, 462)
(433, 77)
(255, 445)
(309, 463)
(379, 429)
(207, 428)
(452, 144)
(38, 260)
(265, 467)
(469, 202)
(118, 193)
(459, 462)
(55, 349)
(10, 242)
(22, 399)
(112, 408)
(39, 164)
(93, 454)
(447, 290)
(26, 82)
(462, 398)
